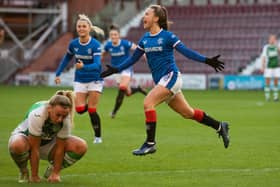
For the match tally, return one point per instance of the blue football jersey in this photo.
(90, 54)
(119, 52)
(159, 52)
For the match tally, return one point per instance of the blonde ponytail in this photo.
(98, 30)
(94, 28)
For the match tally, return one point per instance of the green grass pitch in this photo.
(188, 154)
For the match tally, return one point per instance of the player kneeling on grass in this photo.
(45, 134)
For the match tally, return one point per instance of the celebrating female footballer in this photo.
(45, 133)
(158, 44)
(88, 84)
(119, 50)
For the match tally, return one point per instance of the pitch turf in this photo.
(188, 154)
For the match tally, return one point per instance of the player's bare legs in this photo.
(125, 90)
(81, 102)
(88, 102)
(156, 96)
(75, 148)
(124, 83)
(19, 151)
(93, 99)
(267, 89)
(181, 106)
(275, 90)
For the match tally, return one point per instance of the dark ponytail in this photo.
(162, 14)
(115, 28)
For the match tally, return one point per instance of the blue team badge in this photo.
(145, 42)
(76, 49)
(89, 51)
(160, 41)
(122, 48)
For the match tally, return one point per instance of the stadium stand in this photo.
(237, 32)
(51, 56)
(29, 27)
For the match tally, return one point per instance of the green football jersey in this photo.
(272, 56)
(38, 123)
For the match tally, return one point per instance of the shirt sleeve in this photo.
(70, 49)
(173, 40)
(131, 60)
(36, 120)
(65, 61)
(128, 44)
(96, 59)
(141, 45)
(189, 53)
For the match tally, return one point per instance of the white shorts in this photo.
(90, 86)
(44, 150)
(272, 73)
(172, 81)
(126, 72)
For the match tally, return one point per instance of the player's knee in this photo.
(122, 92)
(148, 105)
(123, 88)
(18, 146)
(92, 110)
(81, 109)
(81, 147)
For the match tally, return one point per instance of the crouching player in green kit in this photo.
(45, 134)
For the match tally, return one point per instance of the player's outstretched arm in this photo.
(194, 55)
(127, 63)
(215, 63)
(66, 59)
(109, 71)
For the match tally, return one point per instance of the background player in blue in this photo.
(119, 49)
(158, 44)
(88, 84)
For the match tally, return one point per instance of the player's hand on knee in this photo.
(57, 80)
(109, 71)
(215, 63)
